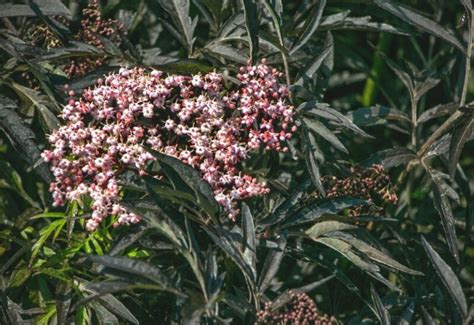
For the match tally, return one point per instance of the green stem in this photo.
(370, 89)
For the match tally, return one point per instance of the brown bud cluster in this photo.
(93, 28)
(365, 183)
(301, 310)
(93, 25)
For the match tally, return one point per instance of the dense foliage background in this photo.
(374, 82)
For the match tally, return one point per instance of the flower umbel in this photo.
(191, 118)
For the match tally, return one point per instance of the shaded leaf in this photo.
(14, 182)
(391, 157)
(323, 110)
(22, 138)
(311, 150)
(402, 75)
(407, 315)
(203, 191)
(231, 24)
(228, 52)
(225, 242)
(423, 87)
(179, 13)
(318, 209)
(100, 294)
(41, 102)
(310, 26)
(251, 23)
(442, 205)
(281, 212)
(315, 63)
(286, 296)
(377, 255)
(271, 265)
(380, 310)
(343, 21)
(117, 307)
(437, 111)
(133, 266)
(373, 115)
(249, 242)
(459, 138)
(448, 277)
(345, 250)
(427, 317)
(48, 7)
(419, 21)
(320, 129)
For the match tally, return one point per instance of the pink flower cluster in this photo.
(192, 118)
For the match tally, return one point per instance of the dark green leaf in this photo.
(104, 316)
(311, 151)
(14, 182)
(402, 75)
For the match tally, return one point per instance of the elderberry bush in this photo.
(236, 162)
